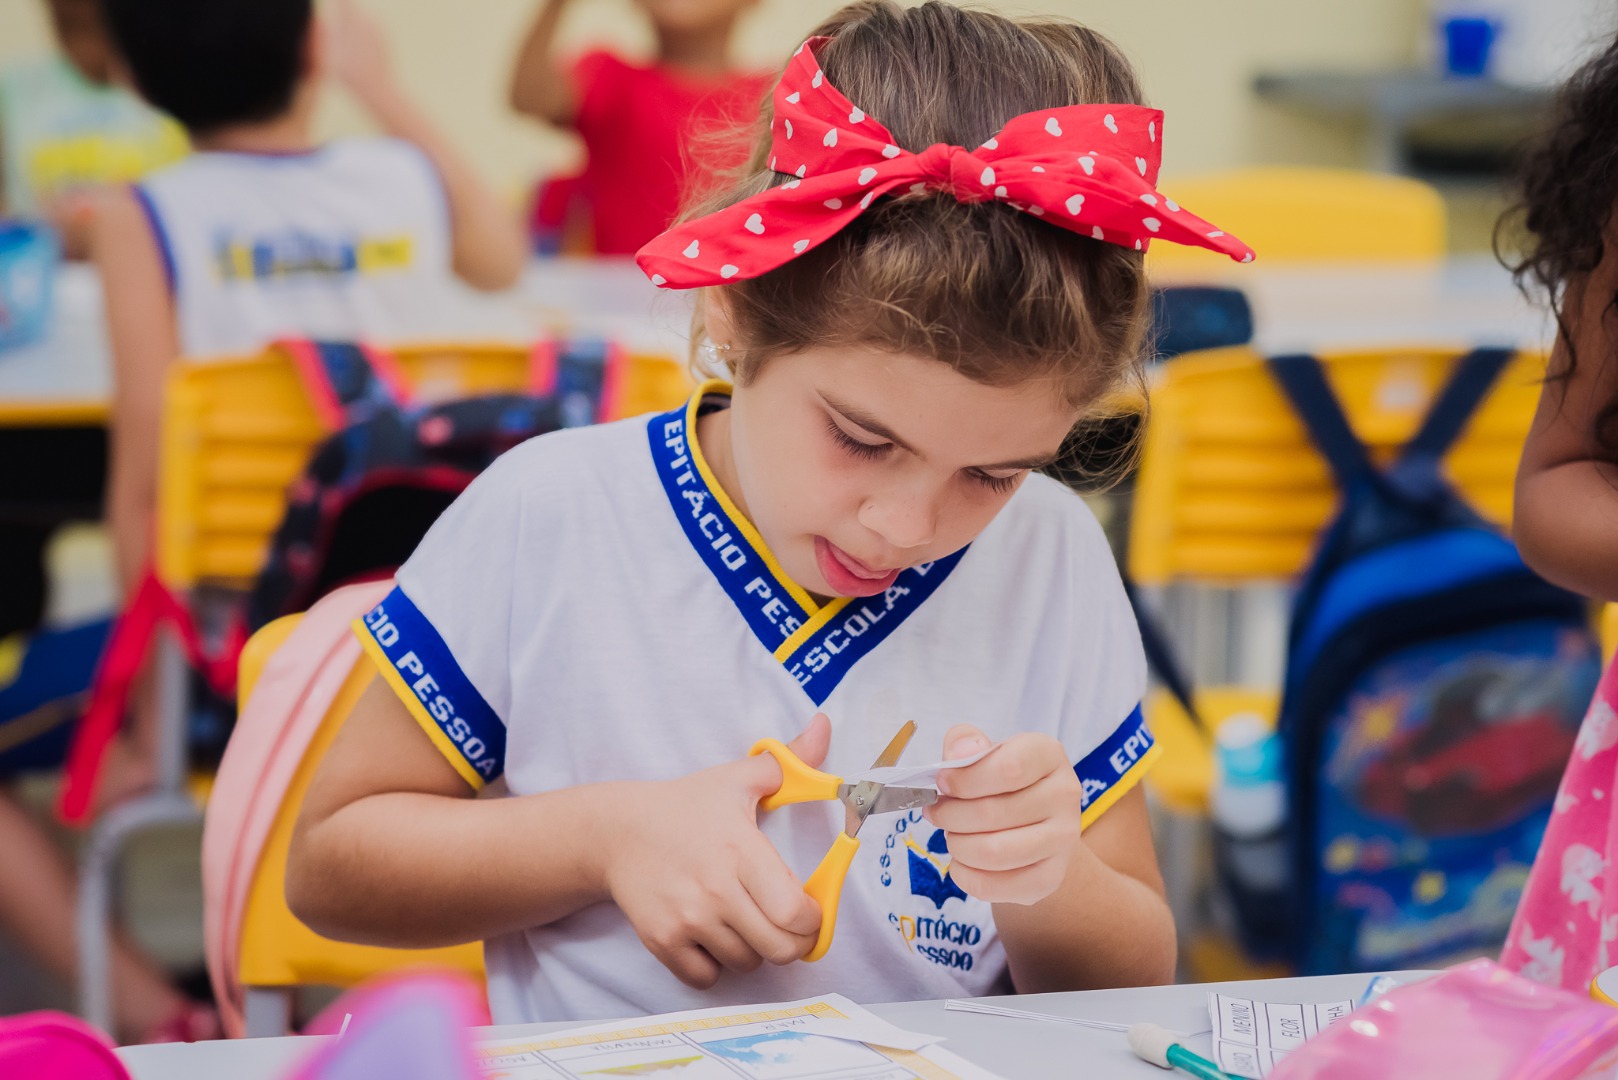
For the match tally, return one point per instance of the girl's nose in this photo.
(904, 520)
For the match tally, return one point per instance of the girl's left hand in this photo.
(1012, 819)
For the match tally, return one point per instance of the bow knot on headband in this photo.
(1090, 169)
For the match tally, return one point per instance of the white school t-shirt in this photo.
(348, 241)
(594, 609)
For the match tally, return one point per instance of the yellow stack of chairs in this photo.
(1291, 214)
(279, 953)
(1232, 494)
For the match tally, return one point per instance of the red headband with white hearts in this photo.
(1091, 169)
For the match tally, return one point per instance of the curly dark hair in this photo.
(1567, 194)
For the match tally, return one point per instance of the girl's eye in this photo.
(869, 451)
(997, 484)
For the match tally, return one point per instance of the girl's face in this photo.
(854, 464)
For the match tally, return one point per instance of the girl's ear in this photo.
(717, 325)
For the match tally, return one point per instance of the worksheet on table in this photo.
(824, 1038)
(1250, 1037)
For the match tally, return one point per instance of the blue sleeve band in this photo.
(423, 672)
(1117, 765)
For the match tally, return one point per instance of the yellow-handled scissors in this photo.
(800, 784)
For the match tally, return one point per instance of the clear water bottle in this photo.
(1248, 807)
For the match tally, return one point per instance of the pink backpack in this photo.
(52, 1044)
(275, 726)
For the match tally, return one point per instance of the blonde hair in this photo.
(991, 291)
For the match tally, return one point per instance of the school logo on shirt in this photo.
(297, 254)
(938, 922)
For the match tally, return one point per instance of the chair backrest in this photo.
(1231, 490)
(279, 950)
(1292, 214)
(238, 430)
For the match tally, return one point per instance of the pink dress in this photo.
(1567, 921)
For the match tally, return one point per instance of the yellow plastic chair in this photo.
(1296, 214)
(278, 952)
(1232, 495)
(236, 432)
(1231, 489)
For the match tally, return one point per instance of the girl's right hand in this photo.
(701, 885)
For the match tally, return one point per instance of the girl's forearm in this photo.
(1566, 526)
(414, 870)
(1101, 929)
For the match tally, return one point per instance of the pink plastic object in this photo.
(283, 714)
(407, 1028)
(52, 1044)
(1477, 1020)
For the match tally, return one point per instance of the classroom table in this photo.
(1016, 1049)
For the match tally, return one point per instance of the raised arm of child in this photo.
(488, 245)
(1077, 911)
(1566, 516)
(541, 86)
(392, 849)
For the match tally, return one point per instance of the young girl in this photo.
(931, 272)
(1566, 519)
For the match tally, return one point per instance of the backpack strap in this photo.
(1161, 658)
(1474, 376)
(151, 606)
(542, 359)
(344, 379)
(1303, 379)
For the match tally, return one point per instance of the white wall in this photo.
(1197, 58)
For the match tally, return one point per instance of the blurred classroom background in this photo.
(1373, 89)
(1200, 64)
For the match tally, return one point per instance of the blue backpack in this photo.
(1433, 692)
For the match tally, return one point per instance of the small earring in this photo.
(710, 352)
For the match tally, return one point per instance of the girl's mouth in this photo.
(847, 575)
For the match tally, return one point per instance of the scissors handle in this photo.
(825, 887)
(799, 783)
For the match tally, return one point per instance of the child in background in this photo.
(1566, 518)
(610, 616)
(65, 128)
(649, 130)
(264, 232)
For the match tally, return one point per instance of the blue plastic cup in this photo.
(1467, 43)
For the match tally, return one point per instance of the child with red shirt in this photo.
(643, 124)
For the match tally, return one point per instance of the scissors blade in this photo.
(890, 800)
(895, 748)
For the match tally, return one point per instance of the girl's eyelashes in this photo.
(868, 451)
(997, 484)
(872, 451)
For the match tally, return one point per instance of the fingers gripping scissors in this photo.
(800, 784)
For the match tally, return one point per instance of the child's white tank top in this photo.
(351, 240)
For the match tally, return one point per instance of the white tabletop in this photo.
(1014, 1048)
(1463, 301)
